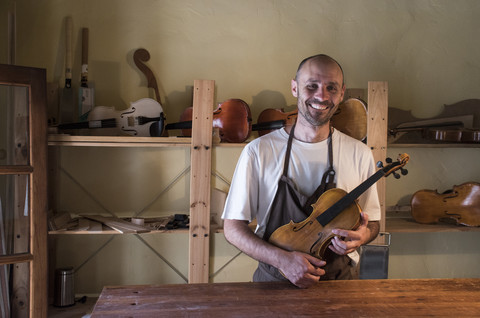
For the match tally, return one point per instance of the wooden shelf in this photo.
(110, 232)
(126, 141)
(409, 225)
(117, 141)
(438, 145)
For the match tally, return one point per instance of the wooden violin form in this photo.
(232, 118)
(350, 118)
(459, 205)
(335, 209)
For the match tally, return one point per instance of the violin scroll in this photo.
(402, 160)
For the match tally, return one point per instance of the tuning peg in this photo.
(379, 164)
(396, 175)
(404, 171)
(388, 160)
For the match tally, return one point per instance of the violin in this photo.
(459, 205)
(453, 135)
(350, 118)
(334, 209)
(144, 118)
(274, 118)
(232, 118)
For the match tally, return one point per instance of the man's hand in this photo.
(352, 240)
(303, 270)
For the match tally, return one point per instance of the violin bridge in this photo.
(131, 121)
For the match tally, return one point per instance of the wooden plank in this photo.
(377, 127)
(200, 174)
(350, 298)
(117, 141)
(117, 224)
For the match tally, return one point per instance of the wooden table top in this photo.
(358, 298)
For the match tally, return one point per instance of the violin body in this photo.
(232, 117)
(309, 236)
(276, 114)
(460, 205)
(144, 118)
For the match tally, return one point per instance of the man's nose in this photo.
(322, 93)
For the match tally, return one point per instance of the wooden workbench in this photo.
(358, 298)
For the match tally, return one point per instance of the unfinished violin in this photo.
(350, 118)
(459, 205)
(334, 209)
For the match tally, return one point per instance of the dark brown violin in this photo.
(335, 209)
(274, 118)
(460, 205)
(232, 118)
(350, 118)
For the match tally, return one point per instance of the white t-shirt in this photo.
(260, 166)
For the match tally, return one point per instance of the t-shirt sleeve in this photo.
(242, 199)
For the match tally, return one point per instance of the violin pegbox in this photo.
(392, 167)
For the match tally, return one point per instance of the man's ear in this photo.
(294, 87)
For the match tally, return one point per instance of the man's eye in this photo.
(332, 88)
(312, 86)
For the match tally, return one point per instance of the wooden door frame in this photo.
(34, 79)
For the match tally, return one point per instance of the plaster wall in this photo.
(428, 51)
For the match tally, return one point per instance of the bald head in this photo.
(321, 59)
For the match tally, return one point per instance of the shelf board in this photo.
(117, 141)
(110, 231)
(437, 145)
(408, 225)
(126, 141)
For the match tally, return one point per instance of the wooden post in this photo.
(200, 174)
(377, 128)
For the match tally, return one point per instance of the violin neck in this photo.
(179, 125)
(334, 210)
(104, 123)
(275, 124)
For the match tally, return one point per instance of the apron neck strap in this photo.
(330, 172)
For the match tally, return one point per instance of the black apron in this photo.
(291, 205)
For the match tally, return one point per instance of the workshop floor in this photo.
(79, 310)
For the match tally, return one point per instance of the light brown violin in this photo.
(459, 205)
(350, 118)
(335, 209)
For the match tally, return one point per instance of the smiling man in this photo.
(280, 175)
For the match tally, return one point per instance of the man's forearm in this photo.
(374, 227)
(240, 235)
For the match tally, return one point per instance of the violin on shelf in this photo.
(459, 205)
(350, 118)
(334, 209)
(144, 118)
(232, 118)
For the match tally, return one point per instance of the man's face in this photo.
(319, 89)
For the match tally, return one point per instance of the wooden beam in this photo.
(200, 174)
(377, 127)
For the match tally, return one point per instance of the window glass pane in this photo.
(14, 298)
(14, 219)
(14, 143)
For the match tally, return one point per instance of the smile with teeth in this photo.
(318, 106)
